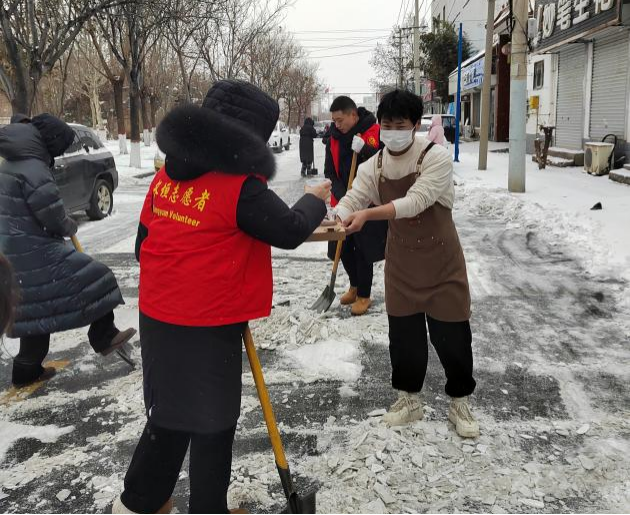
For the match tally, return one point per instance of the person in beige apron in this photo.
(426, 283)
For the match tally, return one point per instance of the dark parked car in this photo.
(86, 175)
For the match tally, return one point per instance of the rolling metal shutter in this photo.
(570, 105)
(610, 82)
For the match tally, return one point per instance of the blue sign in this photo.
(472, 75)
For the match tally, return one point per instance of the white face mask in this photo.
(397, 140)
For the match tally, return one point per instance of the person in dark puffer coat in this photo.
(204, 245)
(60, 288)
(307, 135)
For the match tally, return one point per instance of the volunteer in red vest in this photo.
(204, 245)
(354, 130)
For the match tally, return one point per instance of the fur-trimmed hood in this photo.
(197, 140)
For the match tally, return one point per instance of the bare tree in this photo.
(302, 89)
(270, 60)
(184, 18)
(132, 26)
(36, 34)
(115, 73)
(224, 43)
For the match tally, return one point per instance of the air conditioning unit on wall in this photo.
(597, 157)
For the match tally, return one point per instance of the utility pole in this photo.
(400, 63)
(518, 98)
(458, 99)
(485, 90)
(416, 50)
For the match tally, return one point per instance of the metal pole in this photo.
(400, 66)
(416, 50)
(485, 90)
(518, 99)
(458, 100)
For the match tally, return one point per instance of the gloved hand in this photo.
(357, 144)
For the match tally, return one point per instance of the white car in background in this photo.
(280, 138)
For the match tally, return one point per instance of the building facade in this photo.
(582, 47)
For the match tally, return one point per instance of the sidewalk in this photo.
(561, 199)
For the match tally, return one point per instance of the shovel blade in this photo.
(302, 504)
(325, 300)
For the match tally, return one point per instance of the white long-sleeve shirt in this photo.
(435, 184)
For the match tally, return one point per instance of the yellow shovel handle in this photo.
(265, 402)
(75, 242)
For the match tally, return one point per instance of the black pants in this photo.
(409, 353)
(158, 459)
(358, 269)
(27, 365)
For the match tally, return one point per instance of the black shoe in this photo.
(48, 373)
(118, 341)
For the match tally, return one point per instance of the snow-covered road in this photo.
(552, 363)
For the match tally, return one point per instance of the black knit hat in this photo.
(56, 133)
(244, 103)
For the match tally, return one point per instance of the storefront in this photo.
(472, 79)
(591, 42)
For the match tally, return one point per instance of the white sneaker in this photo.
(460, 415)
(408, 408)
(119, 507)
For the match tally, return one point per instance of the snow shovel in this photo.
(122, 352)
(325, 300)
(296, 502)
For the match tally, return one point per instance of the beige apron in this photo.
(425, 270)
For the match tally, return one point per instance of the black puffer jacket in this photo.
(60, 288)
(307, 135)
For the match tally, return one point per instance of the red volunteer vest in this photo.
(197, 268)
(370, 136)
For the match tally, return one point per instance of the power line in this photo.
(335, 31)
(340, 55)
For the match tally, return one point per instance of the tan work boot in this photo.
(408, 408)
(360, 306)
(460, 415)
(119, 507)
(349, 297)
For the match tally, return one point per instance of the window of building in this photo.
(539, 74)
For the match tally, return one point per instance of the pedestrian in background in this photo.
(436, 131)
(307, 136)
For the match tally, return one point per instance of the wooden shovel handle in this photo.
(75, 242)
(353, 172)
(265, 403)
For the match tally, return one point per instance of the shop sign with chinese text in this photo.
(472, 75)
(561, 21)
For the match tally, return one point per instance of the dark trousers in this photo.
(358, 269)
(409, 353)
(157, 462)
(27, 365)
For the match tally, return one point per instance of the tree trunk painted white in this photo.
(135, 160)
(146, 136)
(122, 143)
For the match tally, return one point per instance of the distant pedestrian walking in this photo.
(307, 135)
(436, 131)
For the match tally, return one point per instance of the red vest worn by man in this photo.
(197, 268)
(371, 138)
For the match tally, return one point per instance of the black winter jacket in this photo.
(307, 135)
(60, 288)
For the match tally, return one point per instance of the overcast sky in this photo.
(325, 28)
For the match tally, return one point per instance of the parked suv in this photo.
(280, 138)
(86, 175)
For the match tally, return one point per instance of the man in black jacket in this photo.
(354, 130)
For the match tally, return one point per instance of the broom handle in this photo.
(353, 171)
(265, 402)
